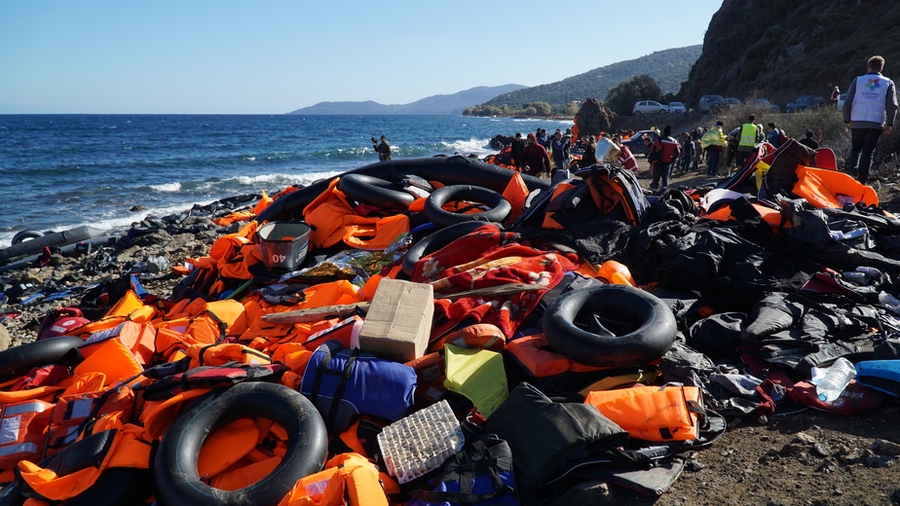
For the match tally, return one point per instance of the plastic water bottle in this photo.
(890, 302)
(836, 380)
(856, 277)
(839, 235)
(871, 272)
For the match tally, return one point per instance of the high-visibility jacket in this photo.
(713, 137)
(749, 135)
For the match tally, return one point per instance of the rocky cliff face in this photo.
(780, 50)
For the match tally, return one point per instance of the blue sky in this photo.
(275, 56)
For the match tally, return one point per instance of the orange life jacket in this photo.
(223, 353)
(480, 335)
(23, 435)
(651, 413)
(125, 450)
(558, 190)
(515, 193)
(430, 375)
(831, 189)
(348, 480)
(535, 354)
(137, 337)
(72, 412)
(325, 216)
(129, 308)
(373, 233)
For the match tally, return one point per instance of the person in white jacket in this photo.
(869, 112)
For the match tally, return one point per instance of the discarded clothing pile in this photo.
(445, 331)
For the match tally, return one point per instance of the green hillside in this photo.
(669, 68)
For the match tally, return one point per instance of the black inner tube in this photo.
(175, 470)
(610, 326)
(375, 191)
(499, 207)
(20, 359)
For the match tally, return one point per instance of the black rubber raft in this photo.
(449, 170)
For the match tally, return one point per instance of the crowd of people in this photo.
(868, 113)
(720, 152)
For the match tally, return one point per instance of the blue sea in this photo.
(109, 171)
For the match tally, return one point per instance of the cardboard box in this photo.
(398, 324)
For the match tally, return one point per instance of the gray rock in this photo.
(591, 492)
(883, 447)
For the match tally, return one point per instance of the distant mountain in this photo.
(669, 68)
(436, 104)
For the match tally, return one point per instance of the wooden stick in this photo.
(495, 291)
(315, 314)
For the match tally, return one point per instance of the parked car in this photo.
(841, 99)
(708, 103)
(761, 103)
(677, 108)
(645, 107)
(636, 142)
(803, 103)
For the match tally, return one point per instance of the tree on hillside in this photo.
(542, 108)
(621, 97)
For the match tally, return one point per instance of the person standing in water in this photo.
(383, 149)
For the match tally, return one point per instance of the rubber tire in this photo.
(18, 360)
(375, 191)
(175, 470)
(646, 326)
(499, 206)
(24, 235)
(435, 241)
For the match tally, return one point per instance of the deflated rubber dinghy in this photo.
(31, 243)
(449, 170)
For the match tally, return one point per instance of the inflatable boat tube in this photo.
(375, 191)
(36, 245)
(25, 235)
(16, 361)
(610, 326)
(448, 170)
(437, 240)
(499, 207)
(175, 469)
(67, 249)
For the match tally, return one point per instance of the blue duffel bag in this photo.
(344, 383)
